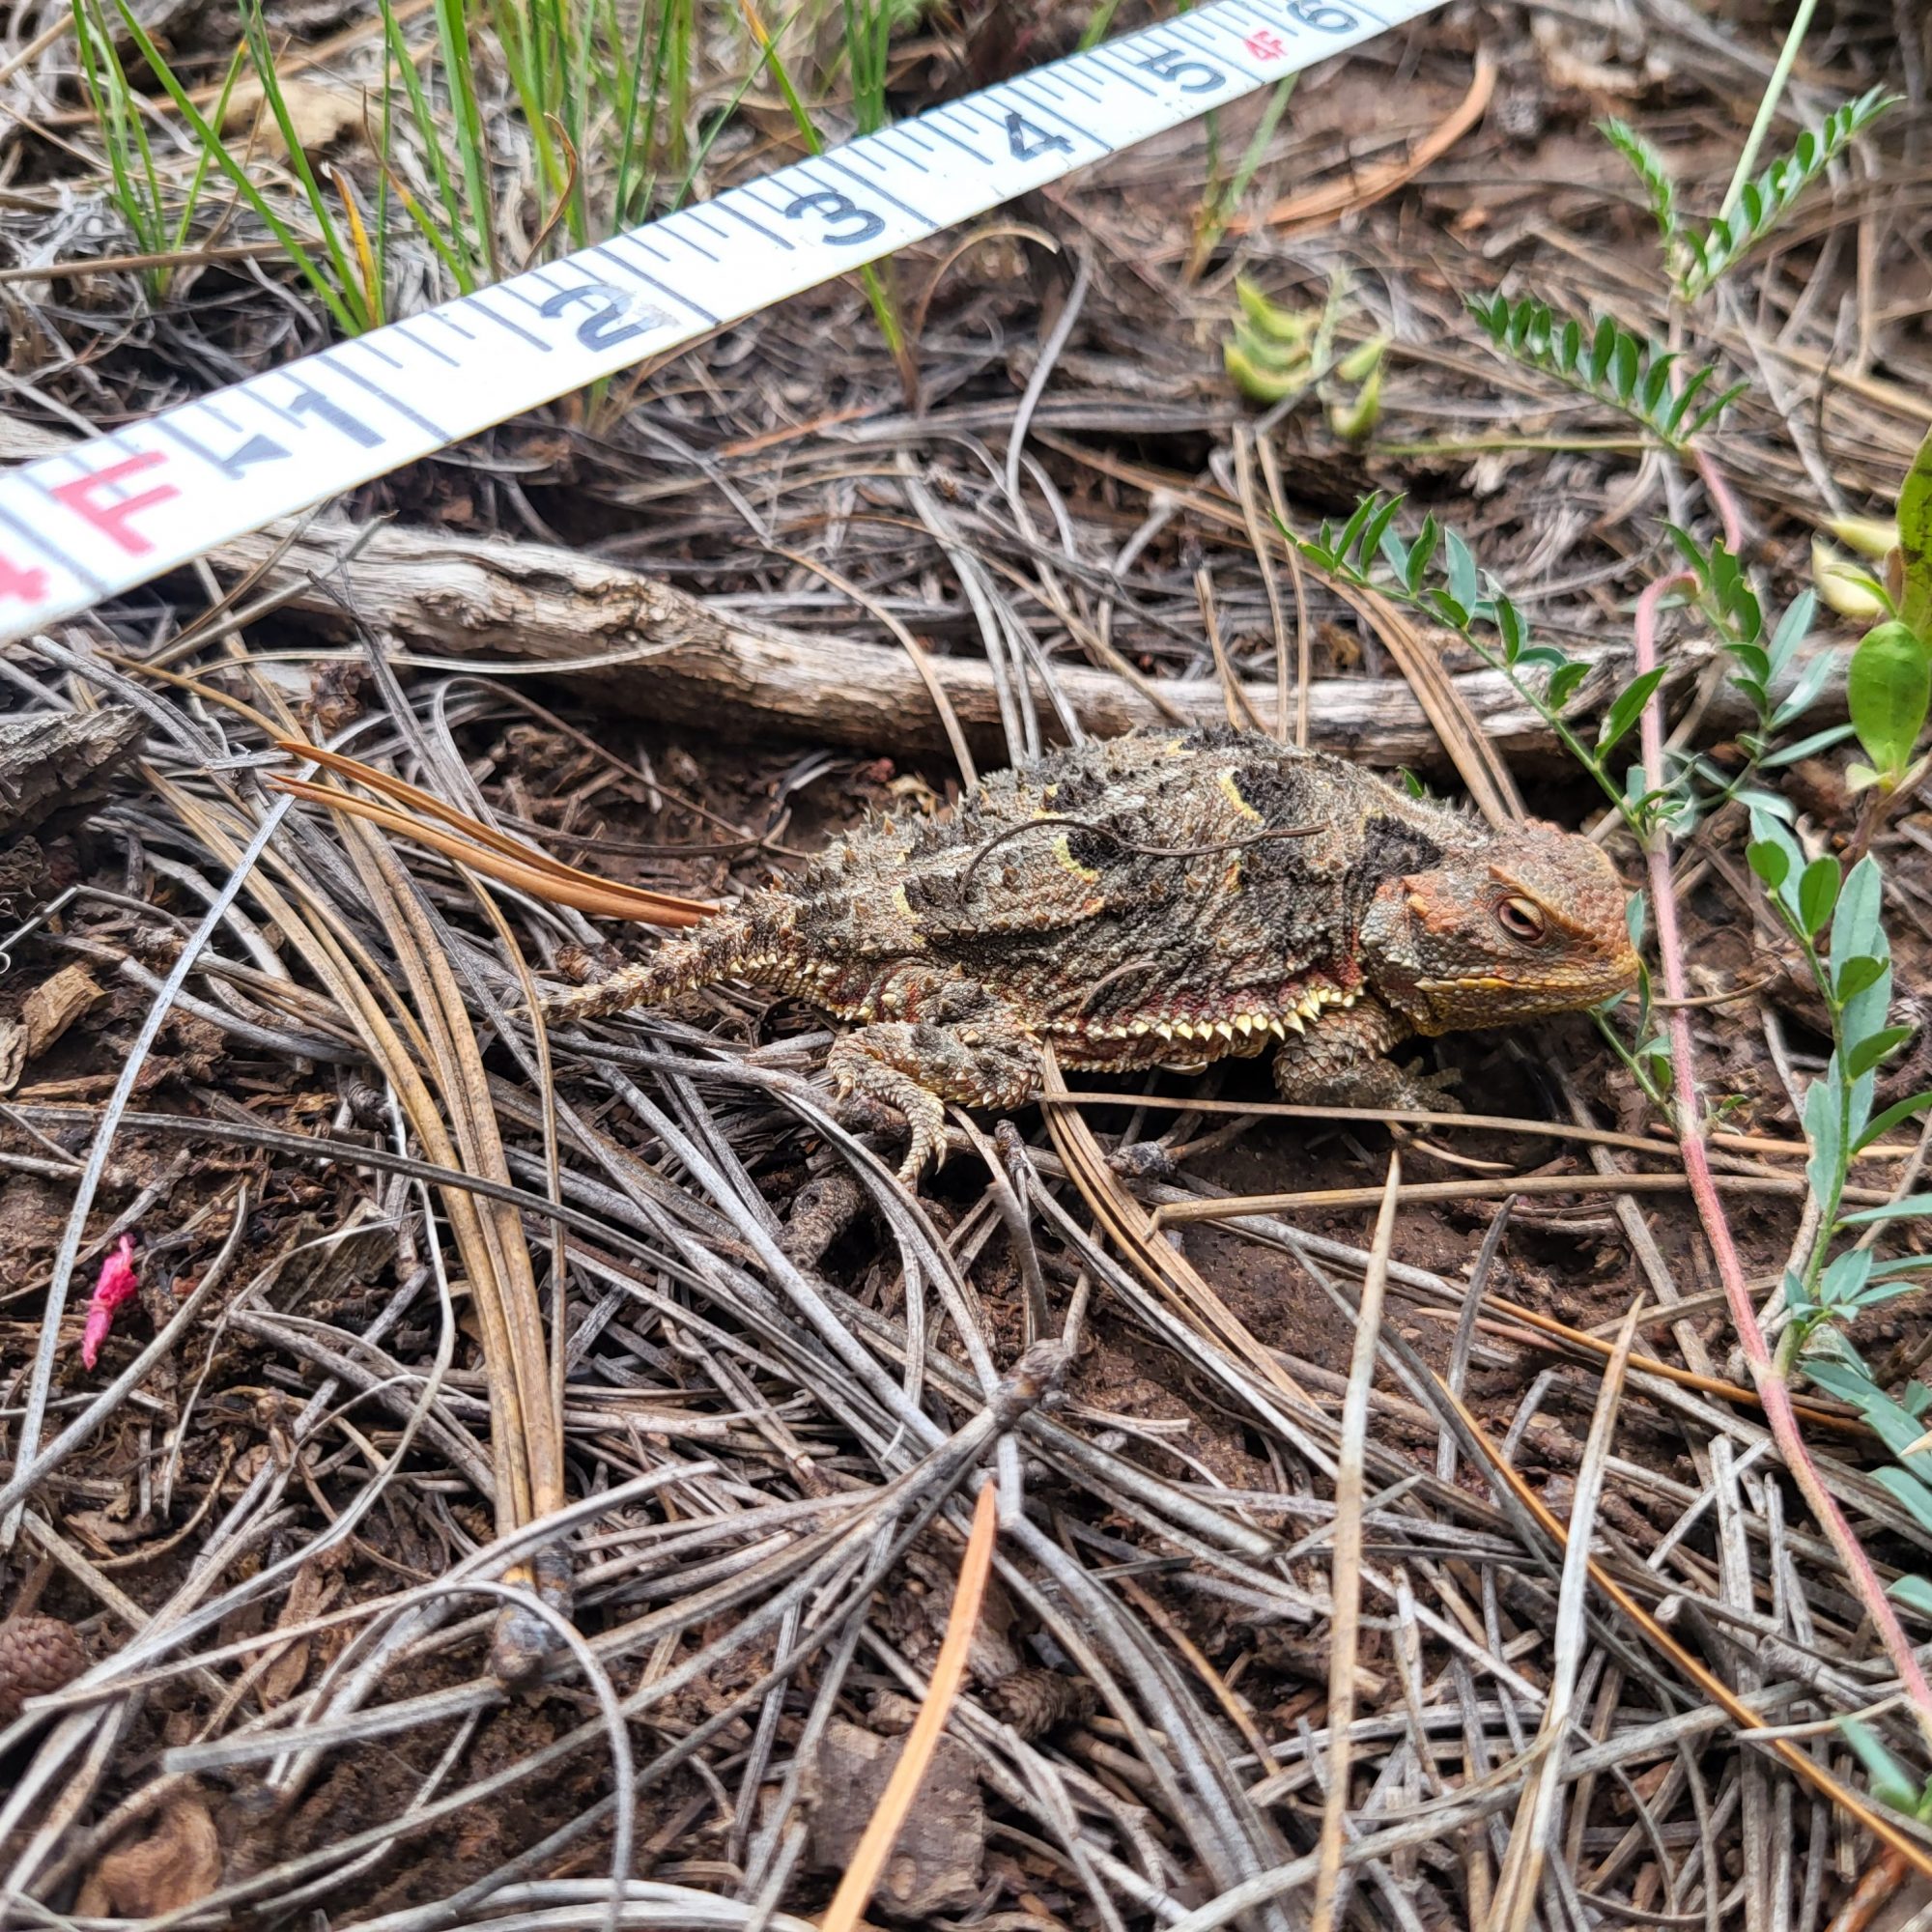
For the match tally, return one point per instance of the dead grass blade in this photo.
(1520, 1883)
(605, 899)
(522, 1391)
(1135, 1231)
(525, 1437)
(948, 1673)
(1304, 667)
(1251, 509)
(1241, 711)
(1316, 207)
(1178, 1213)
(1517, 1317)
(1814, 1774)
(1345, 1571)
(917, 652)
(1563, 1335)
(480, 846)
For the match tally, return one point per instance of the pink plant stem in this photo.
(1771, 1388)
(1725, 504)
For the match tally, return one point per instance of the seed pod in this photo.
(1841, 585)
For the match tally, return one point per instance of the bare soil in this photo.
(1187, 1491)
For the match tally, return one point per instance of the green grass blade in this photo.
(106, 85)
(201, 162)
(721, 120)
(459, 75)
(217, 152)
(255, 30)
(1096, 28)
(884, 309)
(454, 249)
(630, 91)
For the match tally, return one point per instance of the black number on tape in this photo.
(1322, 18)
(1028, 142)
(840, 212)
(1182, 69)
(619, 315)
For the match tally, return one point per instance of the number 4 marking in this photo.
(1028, 142)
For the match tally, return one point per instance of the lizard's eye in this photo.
(1522, 919)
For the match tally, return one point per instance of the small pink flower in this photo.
(118, 1283)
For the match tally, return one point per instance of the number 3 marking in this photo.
(839, 207)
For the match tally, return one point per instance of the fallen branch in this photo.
(656, 652)
(50, 759)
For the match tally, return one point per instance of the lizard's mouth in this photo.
(1564, 990)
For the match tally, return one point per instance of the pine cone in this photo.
(1033, 1701)
(36, 1655)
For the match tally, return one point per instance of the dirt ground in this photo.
(276, 1547)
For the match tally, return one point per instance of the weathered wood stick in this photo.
(656, 652)
(49, 759)
(659, 653)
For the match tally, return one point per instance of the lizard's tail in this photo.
(753, 945)
(713, 953)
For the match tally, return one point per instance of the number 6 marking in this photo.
(839, 207)
(1322, 18)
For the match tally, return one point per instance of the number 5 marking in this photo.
(1322, 18)
(1174, 66)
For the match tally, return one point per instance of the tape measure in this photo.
(116, 510)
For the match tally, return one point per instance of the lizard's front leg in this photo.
(1340, 1062)
(981, 1058)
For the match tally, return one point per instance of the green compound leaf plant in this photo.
(1829, 908)
(1644, 382)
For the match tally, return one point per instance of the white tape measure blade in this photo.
(119, 509)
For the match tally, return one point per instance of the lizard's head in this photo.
(1529, 924)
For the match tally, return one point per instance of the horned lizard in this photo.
(1162, 900)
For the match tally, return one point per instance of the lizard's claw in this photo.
(1433, 1092)
(857, 1073)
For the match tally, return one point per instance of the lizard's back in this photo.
(1179, 877)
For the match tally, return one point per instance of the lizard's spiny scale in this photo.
(1164, 898)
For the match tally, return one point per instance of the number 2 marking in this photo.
(618, 317)
(1026, 143)
(839, 207)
